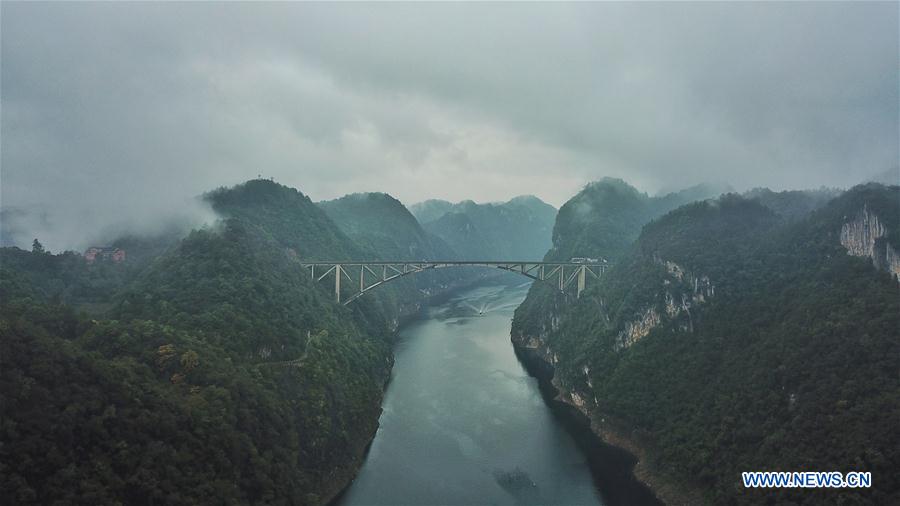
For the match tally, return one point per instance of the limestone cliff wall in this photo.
(864, 236)
(543, 362)
(682, 290)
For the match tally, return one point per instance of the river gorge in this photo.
(464, 423)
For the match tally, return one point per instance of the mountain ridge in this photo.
(519, 228)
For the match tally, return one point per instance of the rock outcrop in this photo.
(864, 236)
(683, 290)
(636, 329)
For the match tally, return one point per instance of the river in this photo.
(464, 423)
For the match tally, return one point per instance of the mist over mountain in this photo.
(888, 177)
(233, 359)
(792, 205)
(607, 215)
(100, 224)
(430, 210)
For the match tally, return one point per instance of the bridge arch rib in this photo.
(561, 274)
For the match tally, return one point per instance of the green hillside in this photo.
(729, 338)
(606, 217)
(221, 375)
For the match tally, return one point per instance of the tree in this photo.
(37, 247)
(189, 360)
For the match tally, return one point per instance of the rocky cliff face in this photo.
(543, 361)
(682, 290)
(891, 261)
(638, 328)
(864, 236)
(679, 290)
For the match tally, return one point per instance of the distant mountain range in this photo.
(519, 229)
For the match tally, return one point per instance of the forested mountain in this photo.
(459, 230)
(221, 374)
(730, 338)
(382, 226)
(385, 226)
(606, 217)
(90, 287)
(792, 205)
(754, 332)
(430, 210)
(519, 229)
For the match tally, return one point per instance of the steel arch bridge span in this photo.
(366, 276)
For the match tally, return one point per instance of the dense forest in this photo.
(210, 367)
(518, 229)
(734, 334)
(217, 373)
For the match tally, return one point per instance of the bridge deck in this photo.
(448, 262)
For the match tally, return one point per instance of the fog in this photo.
(115, 116)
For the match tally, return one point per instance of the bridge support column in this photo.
(337, 283)
(582, 272)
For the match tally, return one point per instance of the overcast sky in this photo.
(118, 113)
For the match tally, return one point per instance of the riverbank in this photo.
(609, 435)
(341, 479)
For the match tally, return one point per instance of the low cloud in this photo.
(115, 115)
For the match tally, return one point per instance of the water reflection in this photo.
(463, 423)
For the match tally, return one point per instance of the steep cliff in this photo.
(603, 220)
(865, 236)
(729, 339)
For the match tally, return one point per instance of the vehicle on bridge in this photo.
(585, 260)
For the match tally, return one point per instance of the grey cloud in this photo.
(117, 114)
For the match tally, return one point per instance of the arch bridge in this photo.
(365, 276)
